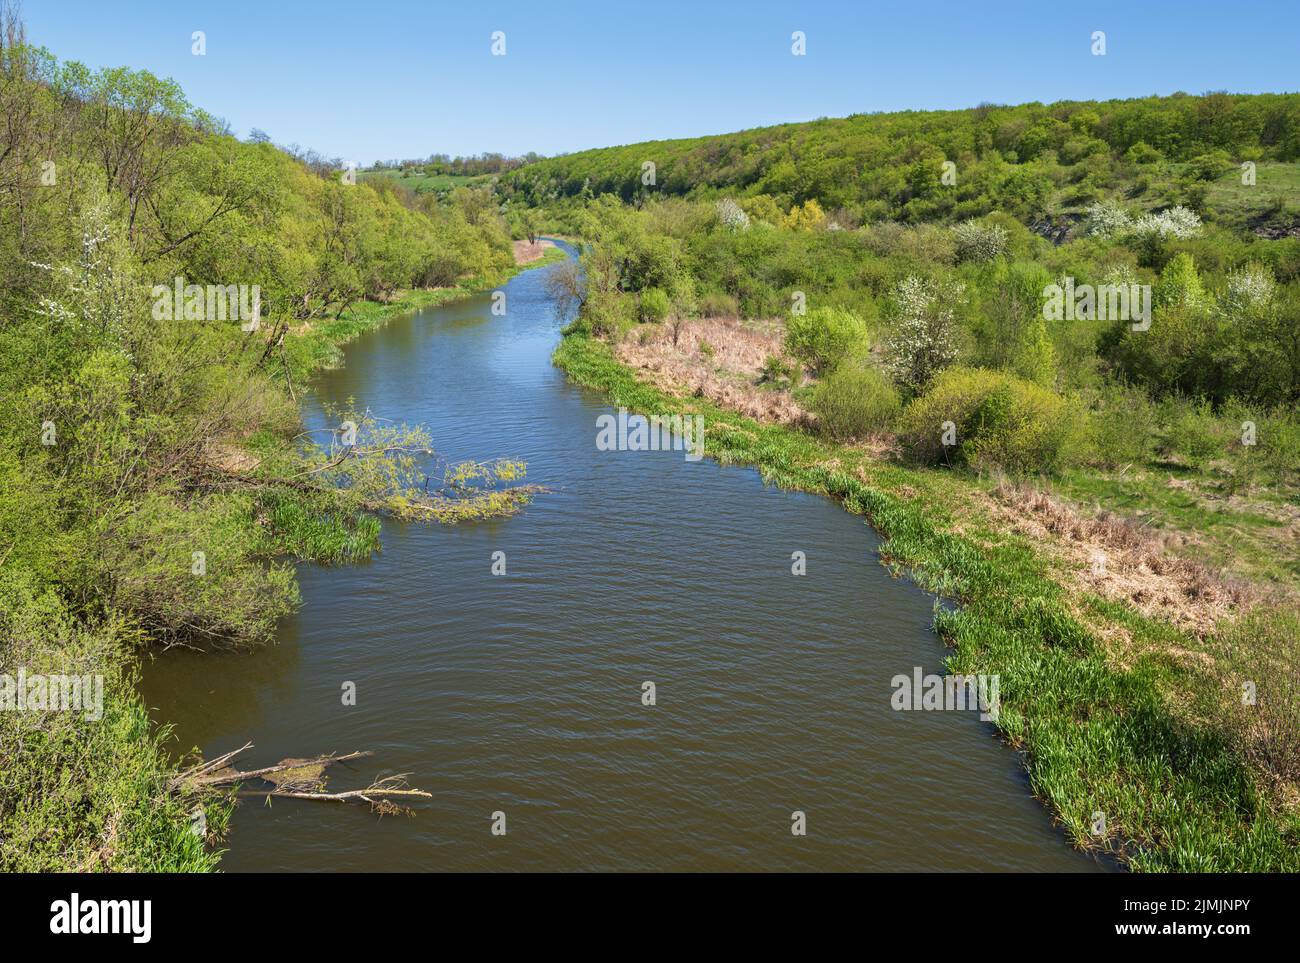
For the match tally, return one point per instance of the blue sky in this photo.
(404, 78)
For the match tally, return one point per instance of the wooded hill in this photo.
(1035, 161)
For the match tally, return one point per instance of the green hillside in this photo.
(1035, 161)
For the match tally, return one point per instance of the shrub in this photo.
(731, 215)
(980, 242)
(1278, 438)
(654, 305)
(1034, 358)
(1178, 221)
(856, 400)
(1123, 427)
(608, 314)
(1193, 434)
(809, 217)
(1263, 648)
(1107, 220)
(822, 337)
(1208, 167)
(719, 306)
(779, 372)
(1143, 153)
(994, 420)
(1180, 284)
(1248, 290)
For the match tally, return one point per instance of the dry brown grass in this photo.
(1121, 558)
(228, 458)
(720, 359)
(1138, 565)
(526, 253)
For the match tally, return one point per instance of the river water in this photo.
(522, 693)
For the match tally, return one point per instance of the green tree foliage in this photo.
(151, 480)
(654, 305)
(1035, 358)
(823, 337)
(856, 400)
(991, 419)
(1007, 158)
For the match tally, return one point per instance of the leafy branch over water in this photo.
(372, 465)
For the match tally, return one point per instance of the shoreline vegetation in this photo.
(129, 763)
(834, 299)
(319, 346)
(156, 486)
(1176, 796)
(1052, 352)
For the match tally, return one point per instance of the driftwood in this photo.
(293, 779)
(363, 794)
(195, 774)
(379, 795)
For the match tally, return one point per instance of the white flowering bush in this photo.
(98, 292)
(980, 242)
(924, 339)
(1108, 220)
(1118, 275)
(1179, 222)
(1249, 289)
(732, 215)
(1105, 219)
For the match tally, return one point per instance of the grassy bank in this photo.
(422, 183)
(1132, 730)
(87, 795)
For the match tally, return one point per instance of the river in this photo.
(522, 693)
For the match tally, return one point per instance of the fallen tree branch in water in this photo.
(411, 505)
(304, 768)
(364, 794)
(182, 779)
(295, 779)
(378, 795)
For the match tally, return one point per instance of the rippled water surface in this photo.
(522, 693)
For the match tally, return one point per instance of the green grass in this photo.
(1276, 189)
(424, 184)
(81, 794)
(1222, 534)
(549, 256)
(1096, 736)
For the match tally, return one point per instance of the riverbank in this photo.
(1130, 735)
(311, 348)
(115, 809)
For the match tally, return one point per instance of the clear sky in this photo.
(406, 78)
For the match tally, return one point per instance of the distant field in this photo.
(1276, 185)
(423, 184)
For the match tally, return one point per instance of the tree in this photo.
(1035, 358)
(924, 338)
(823, 337)
(137, 123)
(654, 305)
